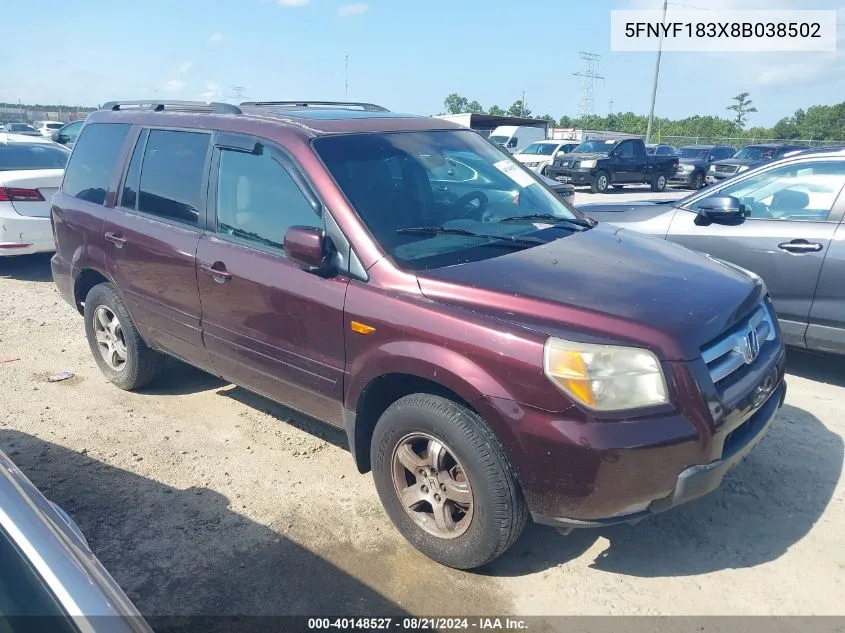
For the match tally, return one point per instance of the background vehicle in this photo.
(695, 160)
(516, 137)
(653, 149)
(405, 280)
(20, 128)
(31, 171)
(601, 163)
(49, 571)
(748, 157)
(46, 128)
(540, 154)
(783, 221)
(66, 135)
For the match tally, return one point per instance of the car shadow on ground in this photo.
(197, 556)
(27, 267)
(825, 368)
(764, 506)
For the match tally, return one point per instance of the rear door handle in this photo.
(218, 271)
(117, 240)
(800, 246)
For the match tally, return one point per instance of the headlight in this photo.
(712, 168)
(605, 377)
(685, 168)
(742, 168)
(587, 164)
(534, 164)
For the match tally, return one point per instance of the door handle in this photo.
(218, 271)
(117, 240)
(800, 246)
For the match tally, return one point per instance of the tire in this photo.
(697, 181)
(497, 510)
(140, 364)
(659, 183)
(600, 182)
(618, 186)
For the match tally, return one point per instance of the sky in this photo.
(404, 54)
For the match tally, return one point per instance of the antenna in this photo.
(590, 74)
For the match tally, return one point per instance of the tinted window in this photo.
(626, 149)
(257, 200)
(54, 126)
(172, 175)
(129, 193)
(799, 191)
(35, 156)
(71, 131)
(90, 168)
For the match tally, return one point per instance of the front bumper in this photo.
(571, 176)
(715, 176)
(682, 178)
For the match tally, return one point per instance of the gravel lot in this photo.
(200, 497)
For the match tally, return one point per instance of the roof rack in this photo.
(157, 105)
(367, 107)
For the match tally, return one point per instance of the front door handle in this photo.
(115, 239)
(218, 271)
(800, 246)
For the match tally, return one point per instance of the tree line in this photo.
(816, 123)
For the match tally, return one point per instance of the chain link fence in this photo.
(682, 141)
(23, 114)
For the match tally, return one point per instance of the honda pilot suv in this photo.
(492, 354)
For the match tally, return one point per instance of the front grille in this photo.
(741, 345)
(726, 169)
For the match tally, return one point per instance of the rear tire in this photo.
(421, 434)
(115, 342)
(600, 182)
(659, 183)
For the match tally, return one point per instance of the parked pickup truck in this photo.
(604, 162)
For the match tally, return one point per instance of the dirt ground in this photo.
(200, 497)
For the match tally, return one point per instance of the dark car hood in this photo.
(605, 284)
(741, 161)
(634, 211)
(697, 162)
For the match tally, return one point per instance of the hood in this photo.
(633, 211)
(696, 162)
(741, 161)
(605, 284)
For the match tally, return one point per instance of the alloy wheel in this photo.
(109, 336)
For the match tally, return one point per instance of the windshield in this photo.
(36, 156)
(597, 145)
(544, 149)
(498, 140)
(691, 152)
(433, 199)
(757, 153)
(54, 126)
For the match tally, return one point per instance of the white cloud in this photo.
(352, 9)
(173, 85)
(217, 37)
(185, 66)
(294, 3)
(211, 92)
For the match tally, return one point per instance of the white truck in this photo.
(514, 138)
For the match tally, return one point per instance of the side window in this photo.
(626, 149)
(172, 175)
(129, 193)
(72, 130)
(90, 167)
(798, 192)
(258, 201)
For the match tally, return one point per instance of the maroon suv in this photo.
(491, 353)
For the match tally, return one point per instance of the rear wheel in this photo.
(115, 342)
(600, 182)
(445, 482)
(659, 183)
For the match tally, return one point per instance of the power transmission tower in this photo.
(238, 93)
(590, 74)
(346, 80)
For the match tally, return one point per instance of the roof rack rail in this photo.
(157, 105)
(368, 107)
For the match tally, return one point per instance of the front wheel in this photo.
(445, 482)
(659, 183)
(697, 181)
(600, 183)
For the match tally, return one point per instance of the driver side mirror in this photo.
(308, 246)
(721, 209)
(55, 137)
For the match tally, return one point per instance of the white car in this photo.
(540, 154)
(46, 128)
(31, 169)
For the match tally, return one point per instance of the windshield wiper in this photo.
(587, 224)
(504, 240)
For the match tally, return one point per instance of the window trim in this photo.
(837, 209)
(202, 211)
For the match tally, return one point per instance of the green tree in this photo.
(786, 128)
(743, 107)
(455, 103)
(496, 110)
(518, 109)
(565, 121)
(549, 118)
(474, 107)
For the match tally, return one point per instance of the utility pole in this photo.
(522, 105)
(656, 75)
(346, 82)
(237, 93)
(610, 106)
(589, 75)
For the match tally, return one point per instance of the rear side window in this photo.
(90, 167)
(35, 156)
(172, 175)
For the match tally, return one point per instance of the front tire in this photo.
(659, 183)
(445, 482)
(697, 181)
(600, 183)
(115, 342)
